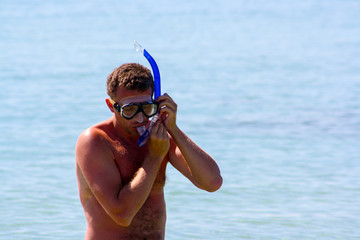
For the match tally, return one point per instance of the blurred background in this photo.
(270, 89)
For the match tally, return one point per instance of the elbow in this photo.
(122, 219)
(215, 184)
(123, 222)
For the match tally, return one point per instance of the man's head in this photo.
(131, 76)
(130, 88)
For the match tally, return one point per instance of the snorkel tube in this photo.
(154, 67)
(143, 131)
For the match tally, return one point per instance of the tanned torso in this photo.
(149, 222)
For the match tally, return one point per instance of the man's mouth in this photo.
(141, 124)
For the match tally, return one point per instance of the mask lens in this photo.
(129, 111)
(150, 109)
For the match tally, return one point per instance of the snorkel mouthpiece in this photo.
(143, 131)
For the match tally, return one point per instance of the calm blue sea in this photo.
(271, 89)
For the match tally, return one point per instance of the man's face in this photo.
(125, 96)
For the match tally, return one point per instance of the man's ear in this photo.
(109, 104)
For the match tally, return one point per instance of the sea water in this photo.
(270, 89)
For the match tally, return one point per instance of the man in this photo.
(121, 184)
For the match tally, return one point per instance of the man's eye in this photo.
(130, 108)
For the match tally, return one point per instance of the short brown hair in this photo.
(132, 76)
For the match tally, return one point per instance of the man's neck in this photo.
(122, 134)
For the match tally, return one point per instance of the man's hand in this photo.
(159, 143)
(168, 110)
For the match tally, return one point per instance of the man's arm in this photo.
(186, 156)
(198, 166)
(96, 162)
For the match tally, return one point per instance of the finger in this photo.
(165, 132)
(162, 97)
(159, 129)
(170, 99)
(162, 132)
(167, 110)
(155, 128)
(165, 97)
(169, 104)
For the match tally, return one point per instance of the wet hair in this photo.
(131, 76)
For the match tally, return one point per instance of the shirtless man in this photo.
(121, 184)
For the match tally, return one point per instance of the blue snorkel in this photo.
(143, 132)
(154, 67)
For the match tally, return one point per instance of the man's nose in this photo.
(139, 117)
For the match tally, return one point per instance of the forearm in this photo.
(133, 195)
(203, 167)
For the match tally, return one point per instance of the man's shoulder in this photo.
(95, 133)
(94, 138)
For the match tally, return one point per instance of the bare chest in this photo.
(129, 159)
